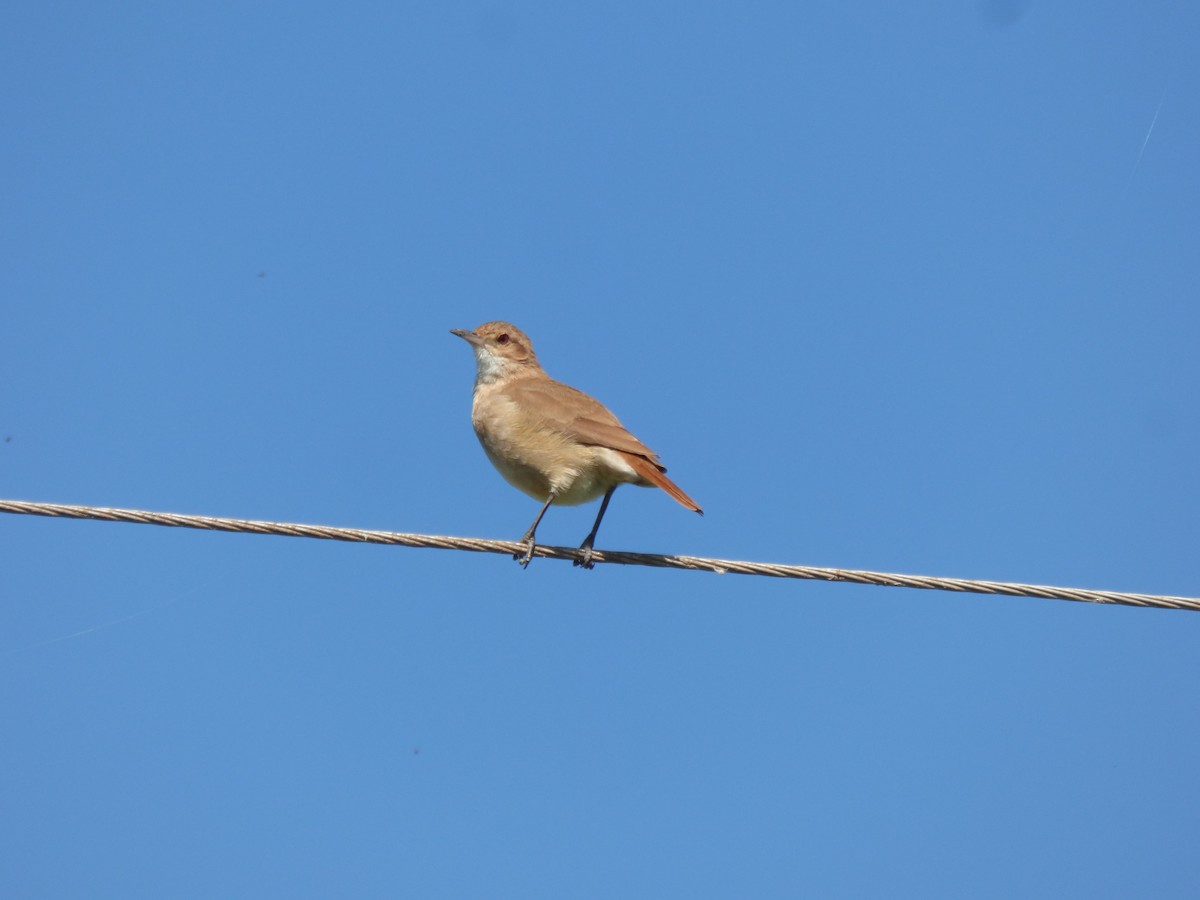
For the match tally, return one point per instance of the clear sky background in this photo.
(905, 287)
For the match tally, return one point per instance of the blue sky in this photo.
(890, 286)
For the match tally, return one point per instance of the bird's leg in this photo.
(586, 559)
(525, 558)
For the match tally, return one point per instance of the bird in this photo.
(550, 440)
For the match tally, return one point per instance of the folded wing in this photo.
(585, 419)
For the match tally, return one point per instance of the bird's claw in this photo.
(525, 558)
(584, 560)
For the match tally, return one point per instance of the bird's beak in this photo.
(468, 336)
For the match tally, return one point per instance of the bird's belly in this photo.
(576, 473)
(538, 459)
(575, 476)
(525, 477)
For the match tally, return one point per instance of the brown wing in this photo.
(578, 415)
(585, 419)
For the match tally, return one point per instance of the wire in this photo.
(481, 545)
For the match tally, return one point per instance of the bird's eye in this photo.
(502, 339)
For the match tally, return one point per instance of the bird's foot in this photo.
(526, 557)
(584, 560)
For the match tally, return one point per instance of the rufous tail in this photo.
(654, 474)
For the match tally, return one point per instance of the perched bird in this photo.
(555, 443)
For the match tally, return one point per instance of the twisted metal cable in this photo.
(481, 545)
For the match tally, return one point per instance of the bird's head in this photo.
(501, 350)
